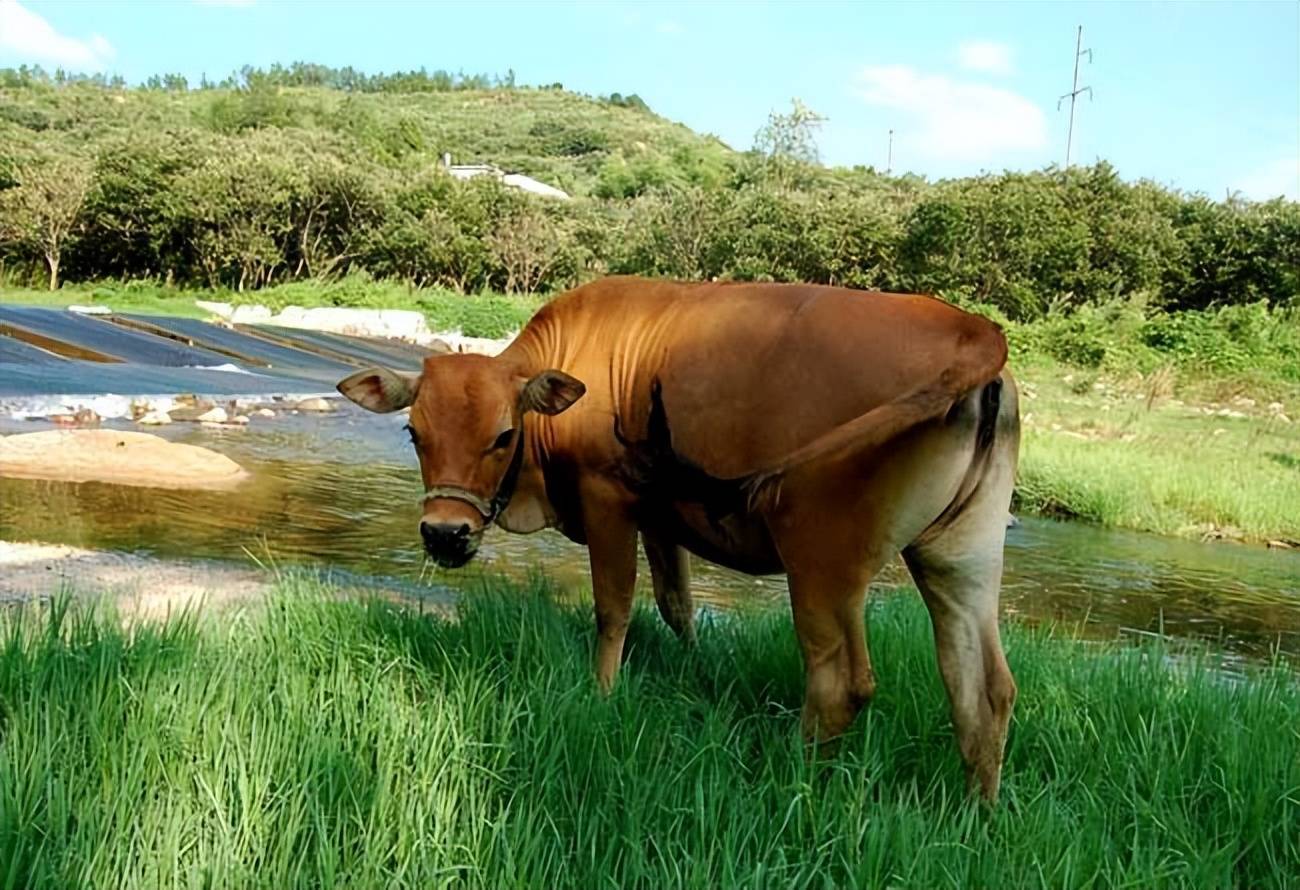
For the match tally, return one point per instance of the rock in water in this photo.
(189, 409)
(155, 418)
(119, 458)
(213, 415)
(320, 405)
(82, 417)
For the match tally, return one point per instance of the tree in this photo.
(240, 208)
(529, 246)
(789, 141)
(43, 212)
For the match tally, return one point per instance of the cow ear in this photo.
(551, 392)
(380, 390)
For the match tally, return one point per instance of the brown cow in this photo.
(771, 428)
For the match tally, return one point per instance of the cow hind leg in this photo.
(828, 600)
(670, 573)
(959, 573)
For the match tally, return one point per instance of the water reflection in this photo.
(340, 490)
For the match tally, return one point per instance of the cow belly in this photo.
(739, 541)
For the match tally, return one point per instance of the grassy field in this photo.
(1120, 453)
(318, 742)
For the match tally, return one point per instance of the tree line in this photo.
(249, 193)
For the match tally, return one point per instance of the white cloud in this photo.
(669, 27)
(1279, 177)
(951, 120)
(985, 56)
(30, 38)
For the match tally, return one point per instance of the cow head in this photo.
(467, 426)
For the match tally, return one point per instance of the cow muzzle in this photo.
(450, 544)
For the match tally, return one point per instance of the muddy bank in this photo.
(142, 585)
(138, 584)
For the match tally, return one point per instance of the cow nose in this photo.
(444, 533)
(449, 544)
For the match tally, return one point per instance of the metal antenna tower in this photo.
(889, 162)
(1075, 90)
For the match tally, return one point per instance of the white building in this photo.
(514, 180)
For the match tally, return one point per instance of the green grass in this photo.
(325, 743)
(140, 297)
(1115, 457)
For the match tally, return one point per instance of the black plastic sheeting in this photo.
(52, 352)
(251, 352)
(87, 379)
(362, 350)
(94, 335)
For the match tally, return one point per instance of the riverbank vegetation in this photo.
(300, 173)
(315, 741)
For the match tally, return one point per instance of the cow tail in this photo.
(990, 405)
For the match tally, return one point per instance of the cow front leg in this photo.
(611, 546)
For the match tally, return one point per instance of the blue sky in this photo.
(1202, 96)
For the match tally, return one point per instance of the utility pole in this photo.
(889, 162)
(1075, 90)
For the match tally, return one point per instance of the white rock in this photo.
(225, 310)
(406, 324)
(213, 415)
(155, 418)
(319, 405)
(239, 420)
(458, 342)
(263, 412)
(250, 315)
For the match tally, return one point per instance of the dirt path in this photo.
(152, 587)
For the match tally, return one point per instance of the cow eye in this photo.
(503, 440)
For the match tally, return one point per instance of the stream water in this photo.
(340, 490)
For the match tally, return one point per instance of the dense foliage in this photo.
(311, 172)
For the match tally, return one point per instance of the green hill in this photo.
(559, 137)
